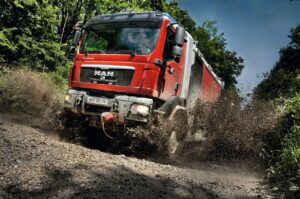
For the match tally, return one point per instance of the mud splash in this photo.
(230, 130)
(223, 130)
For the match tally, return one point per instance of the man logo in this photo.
(104, 73)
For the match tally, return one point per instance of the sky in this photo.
(255, 29)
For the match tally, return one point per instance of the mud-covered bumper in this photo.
(125, 108)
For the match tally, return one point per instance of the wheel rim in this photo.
(173, 143)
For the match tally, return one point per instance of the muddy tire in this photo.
(174, 147)
(176, 131)
(76, 129)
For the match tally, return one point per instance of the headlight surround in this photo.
(70, 96)
(139, 109)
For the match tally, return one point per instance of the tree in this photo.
(227, 64)
(28, 34)
(69, 13)
(284, 79)
(72, 11)
(181, 16)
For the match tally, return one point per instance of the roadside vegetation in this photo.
(282, 86)
(30, 92)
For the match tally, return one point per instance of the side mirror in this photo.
(179, 36)
(76, 38)
(178, 43)
(72, 49)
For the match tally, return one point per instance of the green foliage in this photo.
(227, 64)
(285, 172)
(282, 84)
(60, 76)
(284, 78)
(181, 16)
(293, 108)
(80, 10)
(28, 34)
(29, 92)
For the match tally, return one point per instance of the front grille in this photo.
(121, 77)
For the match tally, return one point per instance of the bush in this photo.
(285, 172)
(28, 34)
(29, 92)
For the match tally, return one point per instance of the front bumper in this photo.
(122, 106)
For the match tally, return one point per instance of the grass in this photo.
(285, 171)
(30, 92)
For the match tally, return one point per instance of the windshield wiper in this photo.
(131, 52)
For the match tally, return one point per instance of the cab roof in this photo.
(131, 17)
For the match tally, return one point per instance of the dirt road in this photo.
(35, 164)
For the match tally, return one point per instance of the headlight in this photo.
(70, 94)
(138, 109)
(67, 97)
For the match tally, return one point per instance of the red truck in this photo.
(132, 67)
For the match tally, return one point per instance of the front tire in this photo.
(74, 127)
(177, 130)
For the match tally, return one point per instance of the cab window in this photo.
(168, 48)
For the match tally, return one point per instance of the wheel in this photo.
(74, 127)
(176, 131)
(96, 139)
(77, 130)
(175, 147)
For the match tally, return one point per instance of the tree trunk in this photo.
(64, 26)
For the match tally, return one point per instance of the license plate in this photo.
(97, 101)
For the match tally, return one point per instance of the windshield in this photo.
(121, 38)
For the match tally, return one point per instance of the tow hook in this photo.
(107, 117)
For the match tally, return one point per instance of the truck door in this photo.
(170, 76)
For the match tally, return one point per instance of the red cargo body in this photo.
(210, 89)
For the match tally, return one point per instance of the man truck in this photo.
(130, 68)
